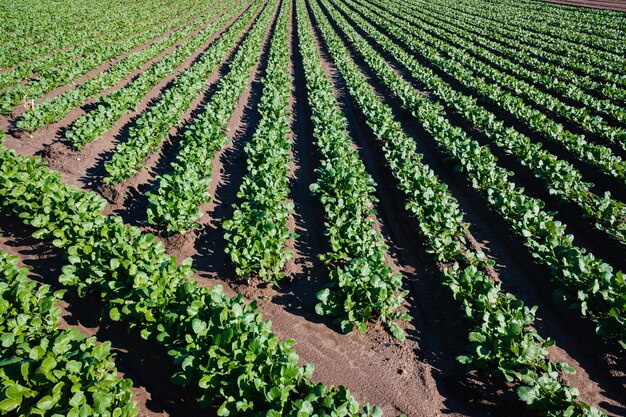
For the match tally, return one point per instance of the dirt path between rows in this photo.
(617, 5)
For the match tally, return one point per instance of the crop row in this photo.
(219, 345)
(596, 35)
(611, 80)
(589, 283)
(602, 52)
(54, 110)
(176, 203)
(153, 126)
(24, 21)
(605, 24)
(561, 178)
(114, 105)
(518, 63)
(34, 33)
(362, 286)
(48, 371)
(55, 77)
(593, 154)
(543, 62)
(503, 339)
(581, 17)
(579, 116)
(116, 31)
(257, 233)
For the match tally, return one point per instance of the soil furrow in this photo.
(146, 363)
(598, 377)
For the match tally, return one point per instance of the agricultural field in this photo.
(313, 208)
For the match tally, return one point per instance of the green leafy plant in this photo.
(153, 126)
(256, 235)
(503, 339)
(131, 37)
(54, 110)
(219, 345)
(175, 204)
(48, 371)
(362, 286)
(588, 283)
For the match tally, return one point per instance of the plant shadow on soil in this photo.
(143, 361)
(527, 279)
(230, 163)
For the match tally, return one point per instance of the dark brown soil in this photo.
(419, 377)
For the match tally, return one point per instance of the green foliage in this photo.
(560, 177)
(81, 61)
(48, 371)
(220, 345)
(590, 284)
(502, 340)
(175, 204)
(362, 286)
(54, 110)
(257, 233)
(154, 125)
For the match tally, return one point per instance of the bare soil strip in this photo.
(616, 5)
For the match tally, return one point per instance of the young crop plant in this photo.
(133, 36)
(596, 155)
(561, 178)
(54, 110)
(587, 71)
(601, 62)
(219, 345)
(176, 203)
(362, 286)
(589, 284)
(607, 49)
(38, 40)
(503, 339)
(48, 371)
(504, 69)
(86, 42)
(31, 61)
(153, 126)
(258, 231)
(111, 107)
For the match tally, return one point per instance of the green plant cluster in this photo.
(572, 19)
(131, 37)
(154, 125)
(54, 110)
(257, 233)
(596, 155)
(77, 43)
(219, 345)
(587, 282)
(503, 340)
(590, 71)
(607, 49)
(497, 68)
(363, 287)
(561, 178)
(33, 32)
(48, 371)
(176, 202)
(109, 108)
